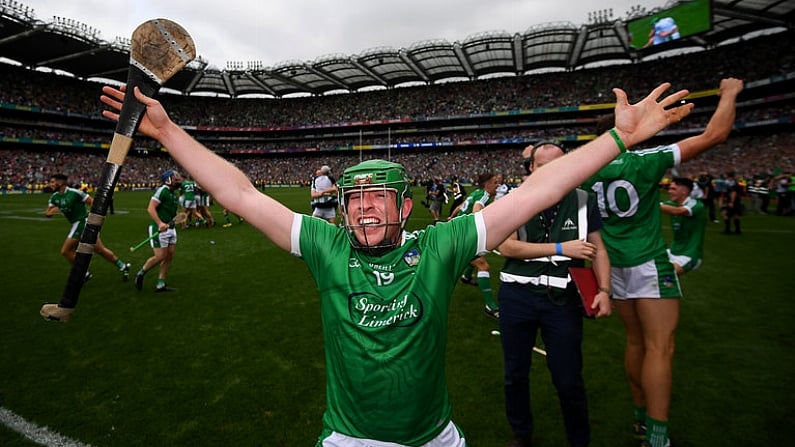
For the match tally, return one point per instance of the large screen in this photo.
(687, 18)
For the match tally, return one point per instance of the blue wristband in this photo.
(558, 249)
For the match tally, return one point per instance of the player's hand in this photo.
(730, 86)
(638, 122)
(579, 249)
(153, 121)
(602, 302)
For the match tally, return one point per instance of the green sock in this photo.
(484, 282)
(161, 282)
(656, 432)
(468, 272)
(226, 218)
(141, 272)
(119, 264)
(640, 413)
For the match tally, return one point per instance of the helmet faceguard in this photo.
(371, 177)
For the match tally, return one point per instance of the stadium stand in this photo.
(53, 122)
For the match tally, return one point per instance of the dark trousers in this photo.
(522, 314)
(453, 206)
(709, 203)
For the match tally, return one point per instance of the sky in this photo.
(276, 31)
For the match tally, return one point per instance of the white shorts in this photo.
(164, 239)
(449, 437)
(686, 262)
(652, 279)
(325, 213)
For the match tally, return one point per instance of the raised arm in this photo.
(634, 124)
(719, 126)
(220, 178)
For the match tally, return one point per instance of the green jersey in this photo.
(168, 203)
(477, 196)
(688, 239)
(188, 188)
(628, 193)
(385, 326)
(72, 203)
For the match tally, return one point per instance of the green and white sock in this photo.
(484, 282)
(656, 432)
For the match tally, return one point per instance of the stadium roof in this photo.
(73, 47)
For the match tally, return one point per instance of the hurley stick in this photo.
(159, 49)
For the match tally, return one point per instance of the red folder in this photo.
(585, 280)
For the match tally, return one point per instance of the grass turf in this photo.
(235, 357)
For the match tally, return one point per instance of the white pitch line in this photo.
(39, 435)
(37, 219)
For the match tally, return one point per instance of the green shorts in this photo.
(76, 231)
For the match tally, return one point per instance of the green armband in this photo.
(617, 139)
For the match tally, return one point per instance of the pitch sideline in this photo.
(39, 435)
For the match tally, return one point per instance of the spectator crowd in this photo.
(67, 110)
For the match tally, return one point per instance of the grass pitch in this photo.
(235, 355)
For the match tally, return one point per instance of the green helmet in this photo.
(373, 174)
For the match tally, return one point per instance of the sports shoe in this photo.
(139, 281)
(55, 312)
(164, 288)
(467, 280)
(493, 313)
(88, 277)
(639, 430)
(125, 272)
(227, 225)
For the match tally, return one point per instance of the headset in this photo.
(526, 162)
